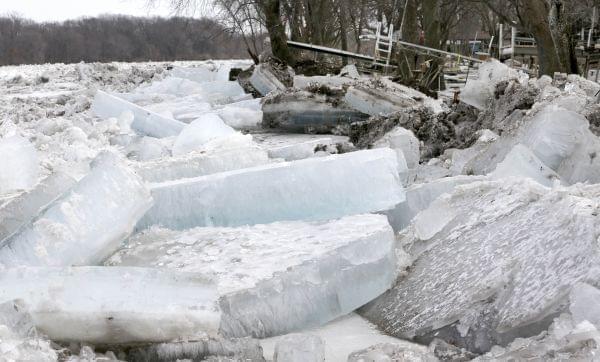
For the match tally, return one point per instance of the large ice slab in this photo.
(521, 162)
(373, 101)
(20, 210)
(493, 261)
(204, 129)
(232, 154)
(19, 164)
(86, 224)
(205, 349)
(344, 336)
(298, 151)
(145, 122)
(404, 140)
(115, 305)
(311, 189)
(279, 277)
(264, 81)
(420, 196)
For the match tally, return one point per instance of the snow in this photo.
(114, 305)
(279, 277)
(199, 132)
(311, 189)
(86, 224)
(19, 164)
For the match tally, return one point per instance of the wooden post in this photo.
(500, 41)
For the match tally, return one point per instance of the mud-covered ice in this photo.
(480, 90)
(86, 224)
(492, 261)
(280, 277)
(111, 305)
(311, 189)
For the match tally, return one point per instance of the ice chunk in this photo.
(20, 210)
(479, 90)
(19, 164)
(184, 109)
(204, 162)
(310, 189)
(585, 301)
(145, 122)
(85, 225)
(114, 305)
(18, 338)
(499, 269)
(264, 81)
(521, 162)
(392, 352)
(220, 349)
(173, 86)
(299, 348)
(420, 196)
(302, 150)
(344, 336)
(565, 341)
(402, 139)
(277, 278)
(350, 71)
(374, 101)
(148, 148)
(204, 129)
(242, 115)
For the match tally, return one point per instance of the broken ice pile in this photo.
(276, 278)
(311, 189)
(86, 224)
(479, 90)
(492, 261)
(114, 305)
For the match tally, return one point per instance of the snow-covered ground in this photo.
(148, 213)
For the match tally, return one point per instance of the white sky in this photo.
(58, 10)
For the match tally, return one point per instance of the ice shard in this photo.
(145, 122)
(298, 347)
(264, 81)
(202, 130)
(311, 189)
(104, 305)
(19, 164)
(280, 277)
(203, 162)
(20, 210)
(86, 224)
(492, 261)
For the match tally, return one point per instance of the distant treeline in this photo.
(116, 38)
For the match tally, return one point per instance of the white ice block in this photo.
(86, 224)
(280, 277)
(493, 261)
(264, 81)
(311, 189)
(406, 141)
(202, 162)
(204, 129)
(521, 162)
(19, 164)
(111, 305)
(145, 122)
(298, 347)
(20, 210)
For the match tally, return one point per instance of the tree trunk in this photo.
(562, 33)
(433, 76)
(407, 59)
(535, 15)
(343, 28)
(271, 11)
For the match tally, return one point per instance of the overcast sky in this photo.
(57, 10)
